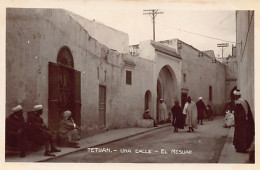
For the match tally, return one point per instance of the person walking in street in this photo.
(244, 124)
(177, 116)
(38, 132)
(15, 130)
(190, 110)
(201, 109)
(163, 111)
(69, 132)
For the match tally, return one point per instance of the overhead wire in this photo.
(206, 36)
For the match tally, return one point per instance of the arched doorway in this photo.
(159, 96)
(64, 88)
(148, 100)
(166, 88)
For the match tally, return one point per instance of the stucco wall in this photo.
(245, 54)
(231, 74)
(160, 60)
(201, 73)
(112, 38)
(171, 77)
(33, 39)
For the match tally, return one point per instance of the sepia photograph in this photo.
(129, 82)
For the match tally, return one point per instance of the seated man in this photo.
(146, 115)
(69, 132)
(39, 132)
(15, 133)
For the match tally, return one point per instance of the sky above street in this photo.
(209, 19)
(183, 23)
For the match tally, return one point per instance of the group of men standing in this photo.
(19, 133)
(191, 115)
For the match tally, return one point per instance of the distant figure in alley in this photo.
(177, 116)
(244, 124)
(190, 110)
(163, 113)
(146, 115)
(201, 109)
(209, 112)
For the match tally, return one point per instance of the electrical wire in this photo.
(196, 33)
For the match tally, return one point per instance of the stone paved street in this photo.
(205, 144)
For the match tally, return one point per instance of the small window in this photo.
(128, 77)
(210, 93)
(184, 77)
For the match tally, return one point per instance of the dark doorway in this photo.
(183, 99)
(64, 89)
(102, 106)
(147, 100)
(159, 96)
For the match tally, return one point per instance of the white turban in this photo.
(147, 111)
(66, 114)
(237, 92)
(161, 99)
(37, 107)
(200, 98)
(17, 108)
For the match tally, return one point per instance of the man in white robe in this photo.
(163, 113)
(190, 110)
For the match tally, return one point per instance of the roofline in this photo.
(165, 49)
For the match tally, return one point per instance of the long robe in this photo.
(38, 132)
(191, 114)
(163, 113)
(244, 126)
(177, 116)
(15, 132)
(201, 108)
(68, 131)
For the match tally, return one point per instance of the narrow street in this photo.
(159, 146)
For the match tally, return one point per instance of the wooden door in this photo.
(64, 94)
(77, 97)
(53, 100)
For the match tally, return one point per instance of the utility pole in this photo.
(152, 13)
(222, 46)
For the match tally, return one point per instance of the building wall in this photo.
(245, 54)
(104, 34)
(231, 74)
(170, 79)
(201, 73)
(33, 39)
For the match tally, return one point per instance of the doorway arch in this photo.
(64, 89)
(65, 57)
(148, 100)
(166, 88)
